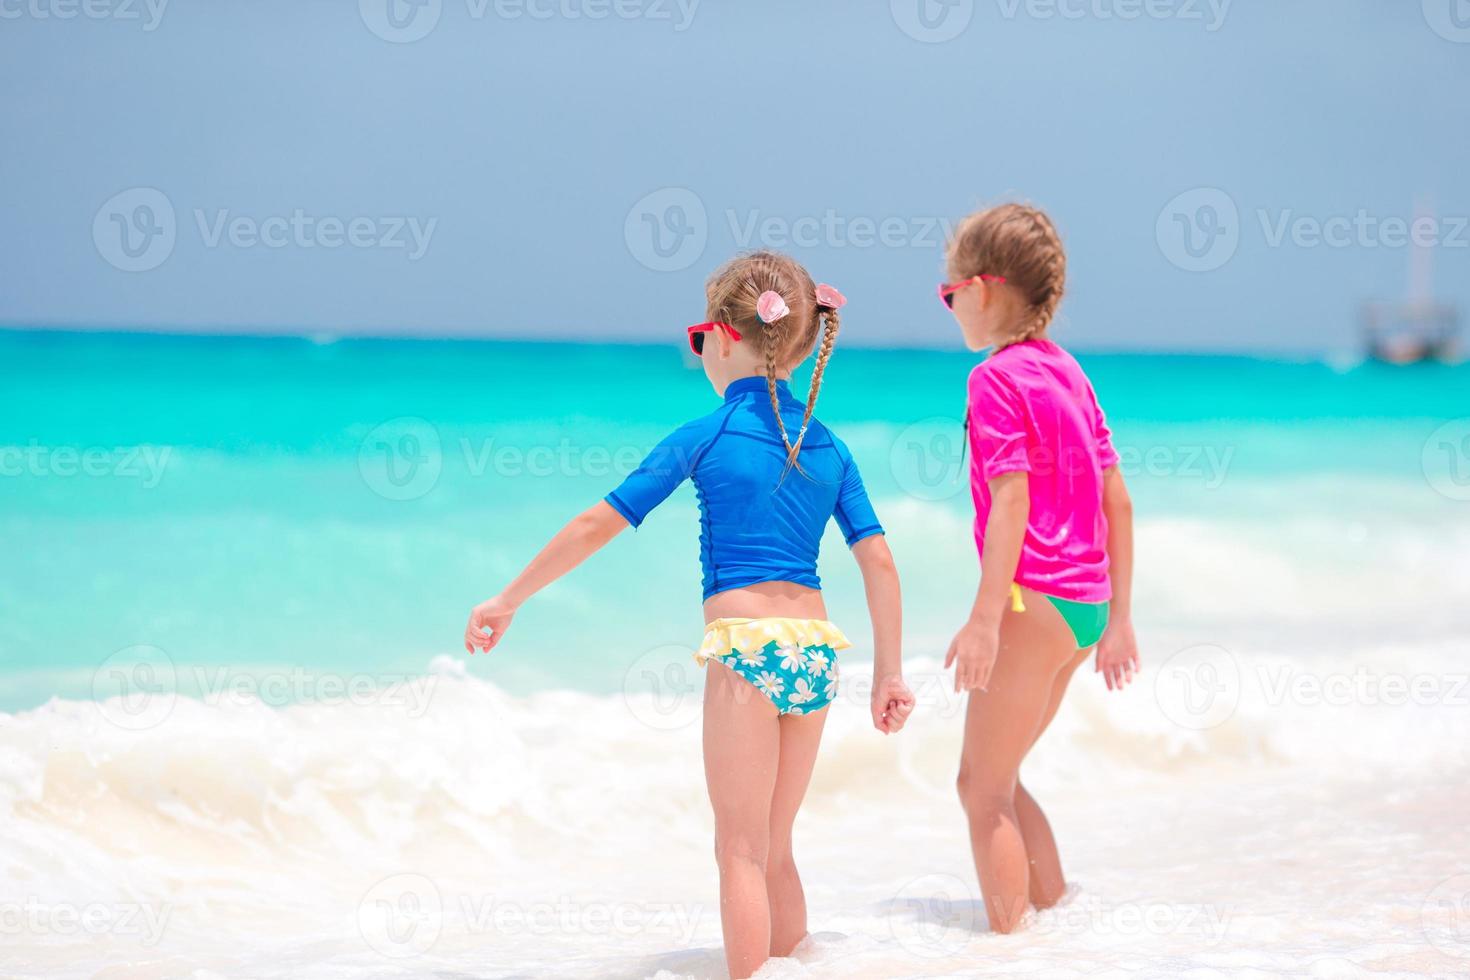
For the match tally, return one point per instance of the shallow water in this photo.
(242, 742)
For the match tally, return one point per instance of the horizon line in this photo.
(321, 337)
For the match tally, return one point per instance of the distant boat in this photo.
(1411, 333)
(1418, 329)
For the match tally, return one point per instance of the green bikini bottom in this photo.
(1086, 620)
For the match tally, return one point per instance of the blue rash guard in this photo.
(754, 527)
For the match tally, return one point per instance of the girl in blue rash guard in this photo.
(769, 476)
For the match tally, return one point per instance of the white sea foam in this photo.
(567, 834)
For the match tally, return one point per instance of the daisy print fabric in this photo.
(791, 662)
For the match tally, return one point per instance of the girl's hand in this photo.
(1117, 654)
(892, 703)
(492, 614)
(973, 652)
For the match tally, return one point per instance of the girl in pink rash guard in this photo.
(1054, 527)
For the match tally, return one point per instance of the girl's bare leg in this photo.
(1047, 882)
(741, 751)
(800, 737)
(1000, 727)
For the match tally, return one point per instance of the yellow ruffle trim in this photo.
(726, 636)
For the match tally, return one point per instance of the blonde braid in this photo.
(773, 338)
(831, 324)
(1055, 275)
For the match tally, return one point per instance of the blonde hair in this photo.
(732, 293)
(1020, 243)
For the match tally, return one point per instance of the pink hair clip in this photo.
(770, 307)
(829, 297)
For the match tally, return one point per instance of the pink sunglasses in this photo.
(697, 332)
(946, 292)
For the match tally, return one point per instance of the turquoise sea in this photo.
(339, 506)
(238, 734)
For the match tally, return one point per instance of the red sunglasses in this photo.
(946, 292)
(697, 332)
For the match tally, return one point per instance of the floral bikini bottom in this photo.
(793, 662)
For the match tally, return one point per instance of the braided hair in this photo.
(1020, 243)
(733, 294)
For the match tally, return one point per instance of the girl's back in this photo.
(1032, 409)
(762, 520)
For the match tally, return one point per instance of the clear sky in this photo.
(1227, 175)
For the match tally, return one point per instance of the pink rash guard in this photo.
(1033, 410)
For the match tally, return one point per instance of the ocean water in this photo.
(238, 737)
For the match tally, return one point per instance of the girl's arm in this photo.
(976, 645)
(583, 535)
(892, 701)
(1117, 651)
